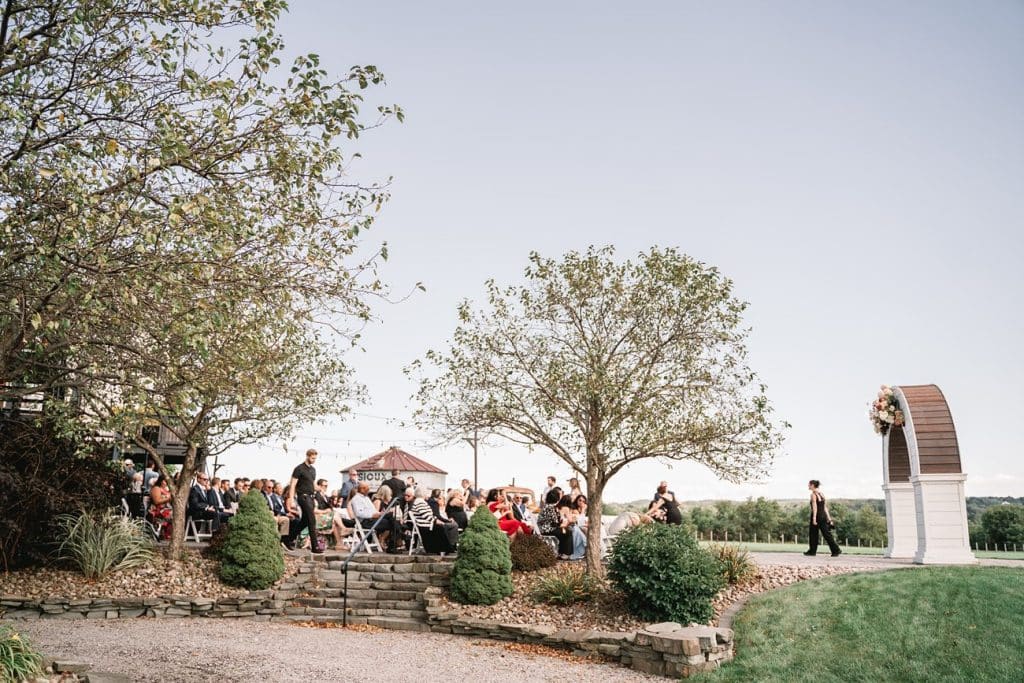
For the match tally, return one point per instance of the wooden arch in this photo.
(927, 442)
(926, 512)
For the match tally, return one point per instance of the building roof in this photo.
(395, 458)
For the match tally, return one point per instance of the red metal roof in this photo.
(395, 458)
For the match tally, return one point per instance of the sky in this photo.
(856, 169)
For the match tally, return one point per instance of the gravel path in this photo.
(221, 650)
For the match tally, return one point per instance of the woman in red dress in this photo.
(507, 521)
(160, 508)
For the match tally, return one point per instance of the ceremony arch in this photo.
(925, 507)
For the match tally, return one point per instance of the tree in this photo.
(758, 518)
(1004, 524)
(605, 363)
(178, 230)
(128, 130)
(870, 527)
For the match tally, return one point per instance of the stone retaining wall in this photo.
(667, 649)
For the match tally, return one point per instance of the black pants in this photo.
(564, 537)
(822, 527)
(308, 506)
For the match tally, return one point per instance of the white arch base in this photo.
(900, 520)
(941, 516)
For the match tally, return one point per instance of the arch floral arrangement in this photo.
(885, 411)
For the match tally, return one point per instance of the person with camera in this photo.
(821, 521)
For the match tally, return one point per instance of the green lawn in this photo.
(854, 550)
(928, 624)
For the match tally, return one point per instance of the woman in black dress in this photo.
(821, 521)
(666, 500)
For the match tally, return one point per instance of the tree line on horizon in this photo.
(991, 519)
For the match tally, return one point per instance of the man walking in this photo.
(300, 490)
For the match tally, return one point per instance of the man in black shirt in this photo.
(301, 490)
(396, 484)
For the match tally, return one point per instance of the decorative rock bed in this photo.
(668, 649)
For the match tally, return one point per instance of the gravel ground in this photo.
(221, 650)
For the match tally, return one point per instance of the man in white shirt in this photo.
(360, 506)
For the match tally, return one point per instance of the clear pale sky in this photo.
(856, 168)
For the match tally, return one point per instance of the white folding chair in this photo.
(415, 540)
(192, 532)
(359, 533)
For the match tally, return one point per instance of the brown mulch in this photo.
(195, 576)
(540, 651)
(608, 612)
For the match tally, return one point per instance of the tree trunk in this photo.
(179, 504)
(595, 491)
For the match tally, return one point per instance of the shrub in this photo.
(566, 585)
(530, 553)
(664, 574)
(734, 563)
(251, 556)
(43, 476)
(98, 543)
(18, 661)
(482, 574)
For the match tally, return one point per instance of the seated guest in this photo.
(361, 509)
(551, 523)
(160, 507)
(198, 505)
(225, 488)
(506, 517)
(214, 498)
(233, 496)
(581, 511)
(134, 497)
(434, 502)
(281, 518)
(579, 539)
(456, 508)
(432, 531)
(326, 519)
(381, 500)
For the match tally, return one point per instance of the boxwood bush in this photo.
(251, 556)
(482, 574)
(664, 574)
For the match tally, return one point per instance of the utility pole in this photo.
(473, 442)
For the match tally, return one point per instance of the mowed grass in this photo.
(928, 624)
(853, 550)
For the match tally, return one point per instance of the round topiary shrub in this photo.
(251, 556)
(530, 553)
(664, 574)
(482, 574)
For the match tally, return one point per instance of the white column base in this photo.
(900, 520)
(941, 520)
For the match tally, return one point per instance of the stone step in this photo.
(339, 603)
(360, 612)
(398, 624)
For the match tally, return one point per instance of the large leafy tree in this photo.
(178, 228)
(604, 363)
